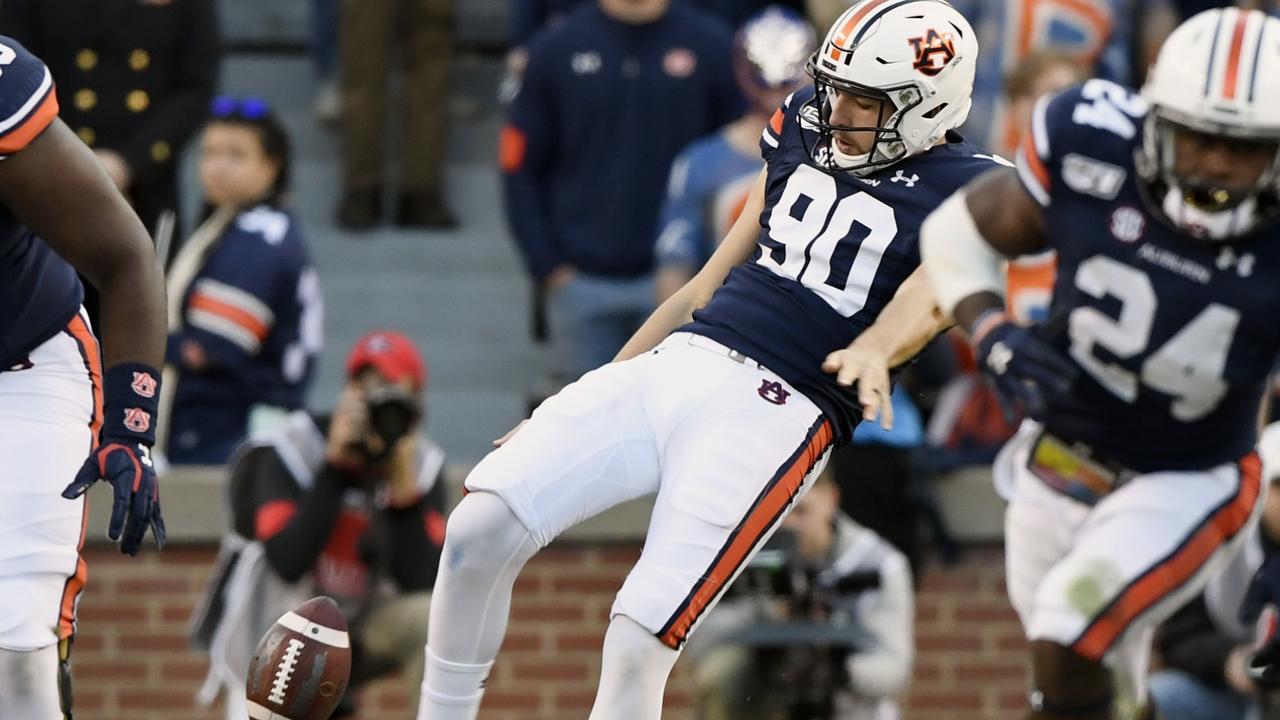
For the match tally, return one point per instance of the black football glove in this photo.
(1025, 368)
(123, 456)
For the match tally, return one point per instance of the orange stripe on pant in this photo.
(761, 517)
(1167, 575)
(79, 330)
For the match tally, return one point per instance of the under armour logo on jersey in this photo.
(1243, 263)
(931, 48)
(902, 178)
(999, 357)
(773, 391)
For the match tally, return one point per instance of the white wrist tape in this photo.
(957, 259)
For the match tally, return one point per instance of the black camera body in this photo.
(804, 653)
(393, 412)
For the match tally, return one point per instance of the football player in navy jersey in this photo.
(59, 213)
(1135, 478)
(728, 401)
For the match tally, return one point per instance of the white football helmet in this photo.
(918, 56)
(1218, 74)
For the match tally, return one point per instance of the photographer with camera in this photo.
(351, 507)
(819, 628)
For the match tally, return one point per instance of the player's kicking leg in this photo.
(48, 417)
(584, 450)
(732, 465)
(1090, 584)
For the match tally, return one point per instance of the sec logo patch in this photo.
(1127, 224)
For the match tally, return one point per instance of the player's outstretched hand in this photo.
(123, 456)
(869, 369)
(136, 504)
(1025, 368)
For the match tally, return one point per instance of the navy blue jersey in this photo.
(1176, 337)
(39, 291)
(604, 108)
(254, 309)
(832, 251)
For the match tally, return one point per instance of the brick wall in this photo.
(131, 661)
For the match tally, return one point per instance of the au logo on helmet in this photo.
(933, 51)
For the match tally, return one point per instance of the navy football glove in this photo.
(1025, 368)
(123, 456)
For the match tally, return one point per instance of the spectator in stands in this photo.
(245, 319)
(610, 95)
(1205, 647)
(369, 30)
(835, 557)
(351, 507)
(710, 179)
(1117, 38)
(327, 105)
(133, 78)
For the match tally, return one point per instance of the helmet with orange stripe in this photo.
(916, 57)
(1210, 155)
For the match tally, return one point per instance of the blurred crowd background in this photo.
(433, 213)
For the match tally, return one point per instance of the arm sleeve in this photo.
(231, 307)
(683, 234)
(526, 149)
(1189, 642)
(180, 110)
(28, 103)
(292, 529)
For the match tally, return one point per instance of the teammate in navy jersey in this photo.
(60, 213)
(728, 401)
(1136, 477)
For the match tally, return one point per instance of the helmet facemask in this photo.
(1200, 207)
(887, 146)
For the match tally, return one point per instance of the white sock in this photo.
(451, 691)
(485, 548)
(633, 674)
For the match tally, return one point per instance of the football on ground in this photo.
(302, 664)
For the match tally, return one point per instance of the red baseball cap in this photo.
(390, 353)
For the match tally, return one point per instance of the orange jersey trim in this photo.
(512, 146)
(1034, 162)
(39, 119)
(1166, 576)
(246, 320)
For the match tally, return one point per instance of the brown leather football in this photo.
(301, 668)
